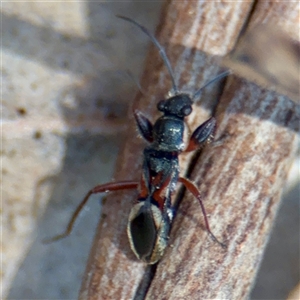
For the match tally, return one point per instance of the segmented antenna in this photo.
(220, 76)
(162, 52)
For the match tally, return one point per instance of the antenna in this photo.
(162, 52)
(220, 76)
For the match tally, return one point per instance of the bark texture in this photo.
(240, 175)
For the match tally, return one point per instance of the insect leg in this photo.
(202, 134)
(194, 190)
(107, 187)
(144, 125)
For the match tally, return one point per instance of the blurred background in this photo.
(65, 97)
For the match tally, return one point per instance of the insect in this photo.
(150, 218)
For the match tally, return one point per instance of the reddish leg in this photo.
(194, 190)
(107, 187)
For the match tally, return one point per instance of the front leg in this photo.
(144, 125)
(202, 134)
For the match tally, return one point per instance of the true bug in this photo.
(150, 218)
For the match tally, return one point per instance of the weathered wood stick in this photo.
(240, 175)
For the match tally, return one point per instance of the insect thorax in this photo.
(168, 134)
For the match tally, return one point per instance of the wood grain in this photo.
(268, 51)
(240, 175)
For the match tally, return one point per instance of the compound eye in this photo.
(161, 105)
(186, 110)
